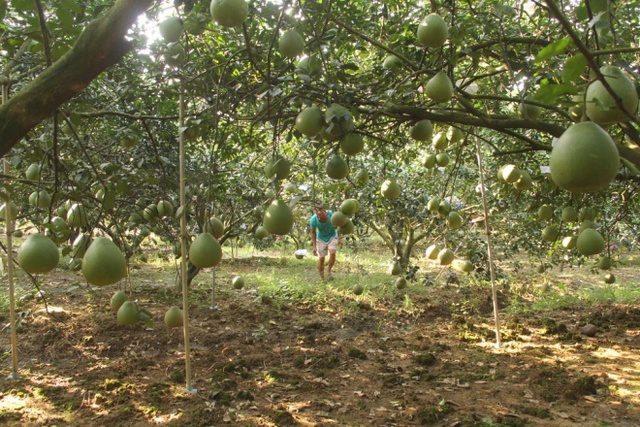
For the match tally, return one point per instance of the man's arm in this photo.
(313, 241)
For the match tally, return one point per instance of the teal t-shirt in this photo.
(325, 231)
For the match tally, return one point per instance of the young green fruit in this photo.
(174, 317)
(103, 263)
(351, 143)
(433, 31)
(445, 256)
(205, 251)
(336, 167)
(117, 300)
(584, 158)
(291, 44)
(38, 254)
(590, 242)
(439, 88)
(310, 121)
(390, 189)
(421, 131)
(128, 313)
(278, 218)
(601, 107)
(229, 13)
(237, 282)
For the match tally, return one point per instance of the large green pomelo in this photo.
(237, 282)
(310, 66)
(429, 161)
(421, 131)
(174, 318)
(278, 218)
(336, 167)
(229, 13)
(310, 121)
(117, 299)
(362, 177)
(33, 172)
(550, 233)
(171, 29)
(590, 242)
(445, 256)
(524, 182)
(545, 212)
(391, 61)
(569, 214)
(349, 207)
(439, 88)
(80, 245)
(454, 220)
(278, 166)
(584, 158)
(529, 111)
(390, 189)
(601, 107)
(440, 141)
(128, 313)
(196, 22)
(38, 254)
(13, 211)
(401, 283)
(205, 251)
(261, 232)
(216, 227)
(509, 173)
(339, 219)
(103, 263)
(347, 228)
(432, 252)
(433, 31)
(463, 265)
(291, 44)
(175, 54)
(442, 159)
(351, 143)
(339, 120)
(165, 208)
(77, 216)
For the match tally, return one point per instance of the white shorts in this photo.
(325, 247)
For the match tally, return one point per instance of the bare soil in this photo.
(332, 360)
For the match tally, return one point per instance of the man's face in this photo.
(322, 214)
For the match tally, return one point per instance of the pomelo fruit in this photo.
(524, 182)
(422, 130)
(463, 265)
(439, 88)
(117, 299)
(336, 167)
(609, 278)
(339, 219)
(545, 212)
(165, 208)
(429, 161)
(310, 66)
(358, 289)
(510, 173)
(445, 256)
(77, 216)
(339, 120)
(103, 263)
(13, 211)
(455, 135)
(440, 141)
(454, 220)
(601, 106)
(174, 318)
(432, 252)
(604, 263)
(291, 44)
(128, 313)
(529, 111)
(351, 143)
(310, 121)
(216, 227)
(196, 22)
(80, 245)
(277, 166)
(390, 189)
(569, 214)
(584, 158)
(395, 268)
(175, 54)
(362, 177)
(261, 232)
(550, 233)
(205, 251)
(442, 159)
(38, 254)
(278, 218)
(391, 62)
(171, 29)
(433, 205)
(347, 228)
(33, 172)
(349, 207)
(433, 31)
(569, 242)
(401, 283)
(444, 208)
(229, 13)
(587, 213)
(237, 282)
(590, 242)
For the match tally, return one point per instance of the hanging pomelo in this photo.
(529, 111)
(128, 313)
(339, 219)
(391, 61)
(590, 242)
(584, 158)
(351, 143)
(362, 177)
(80, 245)
(291, 44)
(338, 119)
(421, 131)
(454, 220)
(310, 121)
(336, 167)
(174, 318)
(347, 228)
(33, 172)
(401, 283)
(13, 211)
(433, 31)
(165, 208)
(77, 216)
(569, 214)
(390, 189)
(261, 232)
(309, 66)
(117, 299)
(545, 212)
(278, 218)
(170, 29)
(277, 166)
(229, 13)
(445, 256)
(439, 88)
(38, 254)
(205, 251)
(432, 252)
(216, 227)
(175, 54)
(601, 107)
(103, 263)
(349, 207)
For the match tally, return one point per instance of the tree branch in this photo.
(101, 45)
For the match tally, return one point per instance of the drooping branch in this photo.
(101, 45)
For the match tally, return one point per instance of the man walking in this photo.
(325, 238)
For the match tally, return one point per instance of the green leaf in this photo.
(551, 93)
(574, 67)
(553, 49)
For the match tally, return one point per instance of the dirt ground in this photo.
(334, 360)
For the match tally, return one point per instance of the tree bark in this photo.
(101, 45)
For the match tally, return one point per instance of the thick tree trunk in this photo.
(101, 45)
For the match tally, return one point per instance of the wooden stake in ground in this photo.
(494, 293)
(183, 243)
(9, 230)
